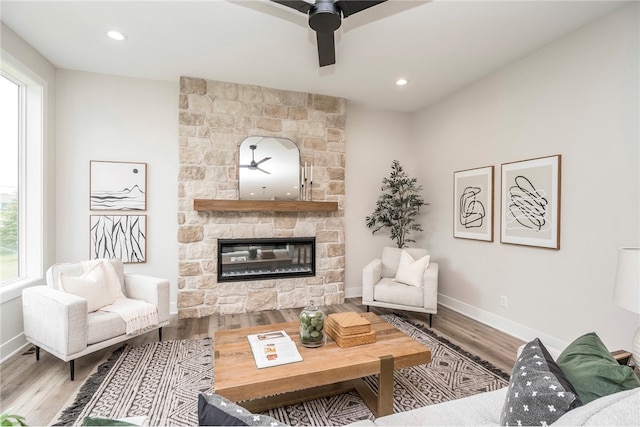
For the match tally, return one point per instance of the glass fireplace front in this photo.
(257, 259)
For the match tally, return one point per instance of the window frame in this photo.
(31, 214)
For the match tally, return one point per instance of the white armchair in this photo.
(59, 322)
(380, 289)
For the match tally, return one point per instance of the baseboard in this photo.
(525, 333)
(352, 292)
(13, 346)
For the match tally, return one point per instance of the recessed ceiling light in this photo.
(116, 35)
(402, 82)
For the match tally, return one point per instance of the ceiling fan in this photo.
(325, 17)
(255, 165)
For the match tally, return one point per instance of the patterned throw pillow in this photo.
(215, 410)
(538, 392)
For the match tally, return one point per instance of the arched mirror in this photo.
(269, 169)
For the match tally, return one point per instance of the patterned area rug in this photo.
(162, 381)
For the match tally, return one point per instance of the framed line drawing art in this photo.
(119, 236)
(473, 204)
(118, 186)
(530, 202)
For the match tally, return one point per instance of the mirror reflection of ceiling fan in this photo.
(255, 165)
(325, 16)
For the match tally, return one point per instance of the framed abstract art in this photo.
(118, 186)
(530, 203)
(473, 204)
(119, 236)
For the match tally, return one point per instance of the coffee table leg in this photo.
(380, 404)
(385, 386)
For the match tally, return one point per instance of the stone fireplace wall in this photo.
(214, 118)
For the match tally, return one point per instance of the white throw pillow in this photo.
(410, 271)
(90, 286)
(96, 285)
(112, 279)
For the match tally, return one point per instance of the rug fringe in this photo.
(87, 390)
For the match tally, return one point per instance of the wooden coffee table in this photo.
(324, 371)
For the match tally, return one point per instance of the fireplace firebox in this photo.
(257, 259)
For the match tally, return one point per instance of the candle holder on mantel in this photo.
(307, 175)
(307, 190)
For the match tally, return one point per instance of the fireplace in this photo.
(257, 259)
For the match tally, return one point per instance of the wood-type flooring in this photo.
(39, 390)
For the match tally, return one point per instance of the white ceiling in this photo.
(439, 46)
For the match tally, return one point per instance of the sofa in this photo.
(619, 409)
(583, 385)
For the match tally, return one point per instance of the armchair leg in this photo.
(430, 318)
(37, 353)
(72, 369)
(367, 309)
(159, 334)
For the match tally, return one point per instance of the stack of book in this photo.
(349, 329)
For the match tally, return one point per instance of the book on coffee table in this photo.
(273, 349)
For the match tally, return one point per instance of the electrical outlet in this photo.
(503, 301)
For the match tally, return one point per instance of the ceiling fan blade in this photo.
(263, 160)
(326, 49)
(262, 170)
(349, 7)
(299, 5)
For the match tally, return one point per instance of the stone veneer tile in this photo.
(214, 117)
(191, 85)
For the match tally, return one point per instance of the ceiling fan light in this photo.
(116, 35)
(402, 82)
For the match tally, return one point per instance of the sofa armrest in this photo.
(55, 320)
(371, 274)
(150, 289)
(430, 282)
(618, 409)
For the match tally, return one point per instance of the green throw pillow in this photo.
(593, 371)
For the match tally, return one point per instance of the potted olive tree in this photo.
(397, 206)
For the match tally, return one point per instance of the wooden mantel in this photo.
(263, 206)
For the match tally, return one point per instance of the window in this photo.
(21, 176)
(10, 106)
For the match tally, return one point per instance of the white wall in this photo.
(109, 118)
(374, 139)
(579, 98)
(20, 54)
